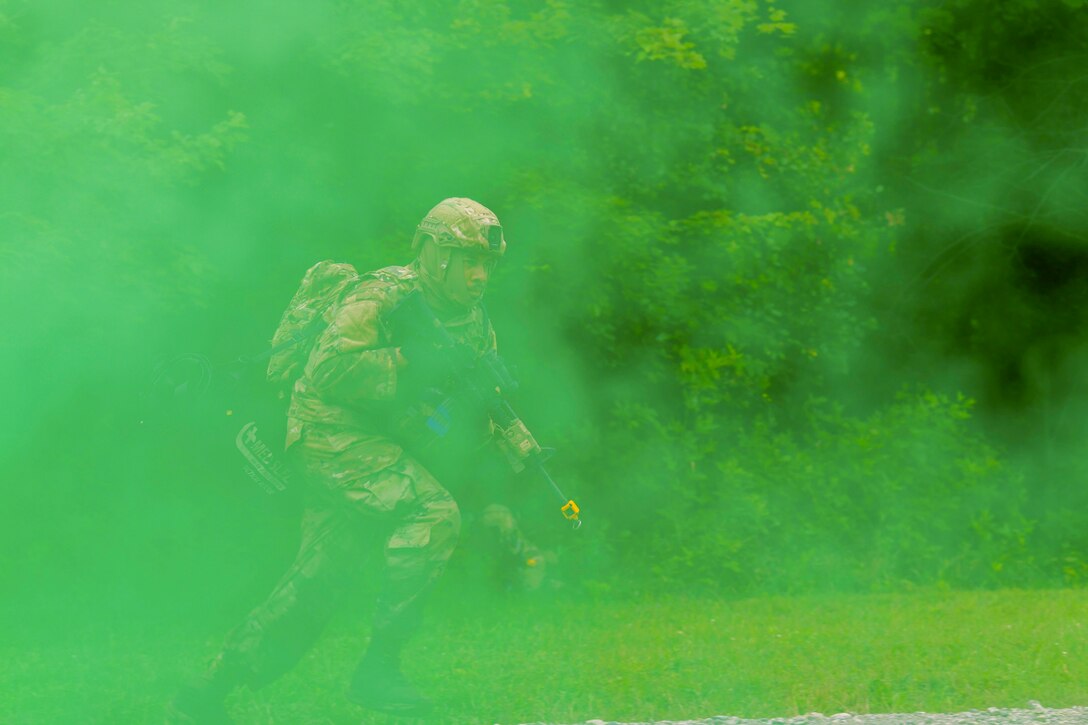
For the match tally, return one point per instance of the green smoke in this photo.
(795, 288)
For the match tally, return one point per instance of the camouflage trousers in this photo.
(357, 488)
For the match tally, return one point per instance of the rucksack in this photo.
(323, 285)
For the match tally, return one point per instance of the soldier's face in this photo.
(468, 275)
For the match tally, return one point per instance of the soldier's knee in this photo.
(447, 517)
(435, 529)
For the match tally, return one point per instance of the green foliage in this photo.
(906, 496)
(100, 168)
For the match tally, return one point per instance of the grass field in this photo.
(518, 660)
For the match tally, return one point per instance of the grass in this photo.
(515, 661)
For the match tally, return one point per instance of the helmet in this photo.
(455, 231)
(459, 222)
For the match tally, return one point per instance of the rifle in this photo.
(483, 380)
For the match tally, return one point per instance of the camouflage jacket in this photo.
(349, 385)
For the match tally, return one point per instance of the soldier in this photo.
(361, 478)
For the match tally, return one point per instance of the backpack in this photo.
(323, 285)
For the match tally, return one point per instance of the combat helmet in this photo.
(455, 227)
(460, 222)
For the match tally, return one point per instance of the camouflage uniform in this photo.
(358, 476)
(360, 480)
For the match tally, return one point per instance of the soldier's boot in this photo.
(379, 683)
(202, 701)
